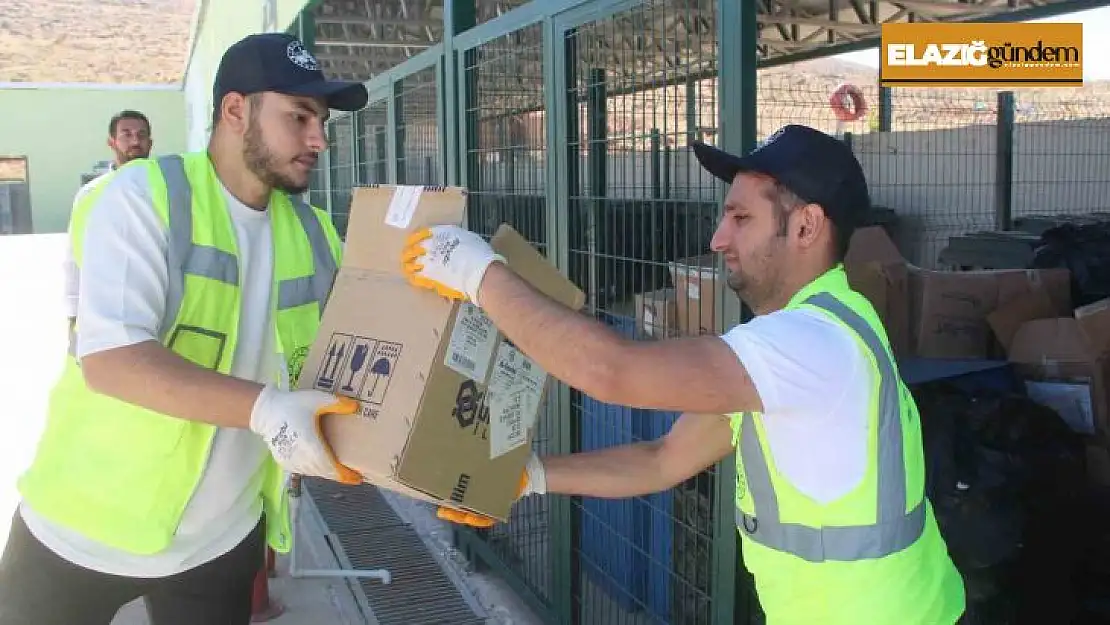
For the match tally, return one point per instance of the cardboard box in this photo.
(657, 313)
(448, 405)
(1064, 360)
(695, 285)
(877, 270)
(950, 309)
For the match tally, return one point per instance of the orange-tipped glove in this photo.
(290, 424)
(448, 260)
(532, 481)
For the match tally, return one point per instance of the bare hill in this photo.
(94, 41)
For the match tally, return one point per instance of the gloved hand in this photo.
(448, 260)
(533, 481)
(289, 422)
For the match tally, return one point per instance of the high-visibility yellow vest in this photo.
(123, 475)
(872, 557)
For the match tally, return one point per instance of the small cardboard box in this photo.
(448, 406)
(657, 313)
(1064, 360)
(695, 284)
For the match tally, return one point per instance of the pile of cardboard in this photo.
(1024, 316)
(448, 405)
(943, 314)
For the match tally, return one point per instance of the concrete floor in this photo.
(32, 349)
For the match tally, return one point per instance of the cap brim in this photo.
(340, 95)
(725, 166)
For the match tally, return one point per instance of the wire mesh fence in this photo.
(643, 559)
(576, 131)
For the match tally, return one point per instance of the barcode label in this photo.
(464, 362)
(473, 340)
(514, 393)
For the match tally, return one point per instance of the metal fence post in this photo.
(458, 16)
(1004, 164)
(391, 149)
(737, 80)
(400, 154)
(886, 109)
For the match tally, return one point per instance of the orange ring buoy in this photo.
(842, 112)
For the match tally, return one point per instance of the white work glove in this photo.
(448, 260)
(289, 423)
(532, 482)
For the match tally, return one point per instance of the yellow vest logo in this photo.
(980, 54)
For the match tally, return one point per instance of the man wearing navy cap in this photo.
(169, 435)
(830, 508)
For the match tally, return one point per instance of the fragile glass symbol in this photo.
(357, 360)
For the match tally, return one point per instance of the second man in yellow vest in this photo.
(170, 432)
(830, 504)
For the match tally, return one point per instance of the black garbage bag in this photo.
(1003, 472)
(1082, 249)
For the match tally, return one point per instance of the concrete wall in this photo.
(56, 160)
(220, 24)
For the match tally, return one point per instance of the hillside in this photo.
(94, 41)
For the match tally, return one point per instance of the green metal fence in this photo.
(571, 121)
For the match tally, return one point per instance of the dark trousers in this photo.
(39, 588)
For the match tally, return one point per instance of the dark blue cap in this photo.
(818, 168)
(281, 63)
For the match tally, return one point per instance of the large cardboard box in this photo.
(448, 406)
(695, 283)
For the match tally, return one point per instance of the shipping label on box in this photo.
(657, 312)
(448, 406)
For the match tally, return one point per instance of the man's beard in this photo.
(123, 158)
(762, 280)
(263, 163)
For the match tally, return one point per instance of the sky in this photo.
(1096, 43)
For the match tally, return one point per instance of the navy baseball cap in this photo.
(817, 167)
(281, 63)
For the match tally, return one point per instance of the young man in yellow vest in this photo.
(830, 502)
(161, 469)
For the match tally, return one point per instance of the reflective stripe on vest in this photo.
(894, 529)
(185, 257)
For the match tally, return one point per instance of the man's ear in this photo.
(235, 111)
(810, 222)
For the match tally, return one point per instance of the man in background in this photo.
(129, 138)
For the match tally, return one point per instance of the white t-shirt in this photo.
(815, 382)
(123, 294)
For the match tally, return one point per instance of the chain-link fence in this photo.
(574, 127)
